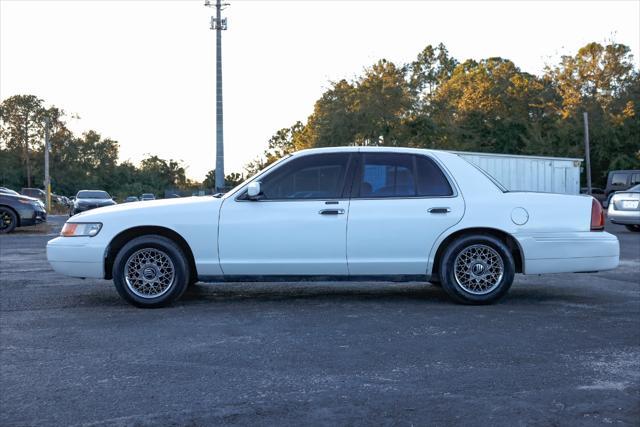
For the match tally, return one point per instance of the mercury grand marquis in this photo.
(348, 213)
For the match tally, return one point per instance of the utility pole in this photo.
(26, 147)
(587, 156)
(219, 24)
(47, 148)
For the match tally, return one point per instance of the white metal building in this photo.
(530, 173)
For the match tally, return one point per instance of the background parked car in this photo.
(34, 192)
(20, 211)
(624, 208)
(131, 199)
(148, 196)
(6, 190)
(91, 199)
(620, 180)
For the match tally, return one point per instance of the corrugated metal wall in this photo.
(524, 173)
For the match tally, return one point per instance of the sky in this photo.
(143, 72)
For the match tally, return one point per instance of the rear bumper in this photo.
(569, 252)
(624, 217)
(77, 256)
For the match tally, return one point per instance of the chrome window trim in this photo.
(452, 183)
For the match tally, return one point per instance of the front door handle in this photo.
(331, 212)
(439, 210)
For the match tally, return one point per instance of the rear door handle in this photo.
(439, 210)
(331, 212)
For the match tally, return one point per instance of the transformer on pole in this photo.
(219, 24)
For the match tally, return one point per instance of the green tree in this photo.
(22, 121)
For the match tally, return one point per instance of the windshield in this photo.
(93, 195)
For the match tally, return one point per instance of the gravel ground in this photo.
(560, 350)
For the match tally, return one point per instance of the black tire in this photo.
(488, 286)
(162, 249)
(633, 227)
(8, 220)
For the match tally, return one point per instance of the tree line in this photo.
(435, 101)
(88, 161)
(490, 105)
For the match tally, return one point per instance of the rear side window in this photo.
(386, 175)
(619, 179)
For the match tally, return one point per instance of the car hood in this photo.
(20, 196)
(148, 209)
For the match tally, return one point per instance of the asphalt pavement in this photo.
(559, 350)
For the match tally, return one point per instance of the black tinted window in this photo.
(387, 175)
(619, 179)
(316, 176)
(401, 175)
(93, 195)
(431, 180)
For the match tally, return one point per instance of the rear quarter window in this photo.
(431, 179)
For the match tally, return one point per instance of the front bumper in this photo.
(77, 256)
(569, 252)
(32, 217)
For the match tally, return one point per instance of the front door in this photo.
(401, 203)
(299, 225)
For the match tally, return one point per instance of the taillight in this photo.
(597, 216)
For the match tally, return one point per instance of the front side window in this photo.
(401, 175)
(635, 179)
(316, 176)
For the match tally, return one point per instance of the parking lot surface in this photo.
(559, 350)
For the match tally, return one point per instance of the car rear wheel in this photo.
(633, 227)
(150, 271)
(8, 220)
(477, 269)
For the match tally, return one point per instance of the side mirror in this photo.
(253, 190)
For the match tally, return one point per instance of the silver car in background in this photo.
(624, 208)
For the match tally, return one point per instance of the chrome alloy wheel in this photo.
(479, 269)
(149, 273)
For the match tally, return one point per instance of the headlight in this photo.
(78, 229)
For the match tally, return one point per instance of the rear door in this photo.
(400, 204)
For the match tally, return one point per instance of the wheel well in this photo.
(506, 238)
(121, 239)
(15, 212)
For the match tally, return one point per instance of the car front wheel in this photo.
(8, 220)
(477, 269)
(150, 271)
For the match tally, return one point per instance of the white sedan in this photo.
(341, 213)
